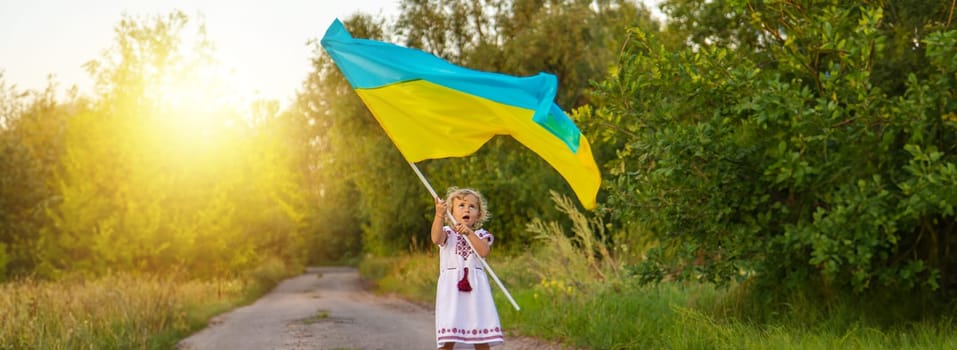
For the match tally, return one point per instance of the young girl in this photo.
(465, 314)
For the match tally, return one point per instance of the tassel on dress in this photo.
(464, 282)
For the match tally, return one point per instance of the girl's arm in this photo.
(438, 234)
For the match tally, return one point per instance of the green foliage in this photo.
(584, 256)
(159, 173)
(410, 275)
(789, 156)
(363, 174)
(562, 276)
(31, 128)
(335, 230)
(364, 186)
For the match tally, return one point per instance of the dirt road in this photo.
(326, 308)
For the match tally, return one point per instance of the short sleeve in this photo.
(483, 234)
(448, 232)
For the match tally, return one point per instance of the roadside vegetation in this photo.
(124, 310)
(585, 299)
(775, 174)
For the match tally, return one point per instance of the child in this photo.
(465, 314)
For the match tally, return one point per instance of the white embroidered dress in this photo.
(465, 318)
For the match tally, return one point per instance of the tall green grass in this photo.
(121, 311)
(675, 316)
(573, 290)
(412, 276)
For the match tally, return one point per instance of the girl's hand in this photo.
(438, 233)
(462, 229)
(440, 208)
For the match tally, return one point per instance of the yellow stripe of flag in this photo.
(433, 109)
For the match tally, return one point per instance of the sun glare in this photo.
(187, 104)
(193, 95)
(199, 102)
(194, 108)
(199, 114)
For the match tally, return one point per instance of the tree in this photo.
(361, 180)
(789, 154)
(31, 129)
(362, 171)
(575, 40)
(165, 172)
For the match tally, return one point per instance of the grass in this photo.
(572, 291)
(675, 316)
(320, 316)
(152, 312)
(620, 315)
(411, 276)
(121, 311)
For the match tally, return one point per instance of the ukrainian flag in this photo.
(433, 109)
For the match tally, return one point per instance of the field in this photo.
(119, 311)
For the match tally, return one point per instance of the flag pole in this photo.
(487, 268)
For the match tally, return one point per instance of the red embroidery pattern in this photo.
(462, 247)
(475, 334)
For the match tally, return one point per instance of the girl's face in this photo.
(465, 210)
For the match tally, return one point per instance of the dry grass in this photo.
(119, 311)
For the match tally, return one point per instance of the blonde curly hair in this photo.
(461, 193)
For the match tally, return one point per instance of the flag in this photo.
(433, 109)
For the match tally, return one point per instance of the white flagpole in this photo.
(487, 268)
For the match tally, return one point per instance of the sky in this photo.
(264, 42)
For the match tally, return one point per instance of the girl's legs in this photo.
(481, 347)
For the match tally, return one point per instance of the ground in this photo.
(327, 308)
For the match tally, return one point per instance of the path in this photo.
(326, 308)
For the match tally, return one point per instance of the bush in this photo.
(794, 159)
